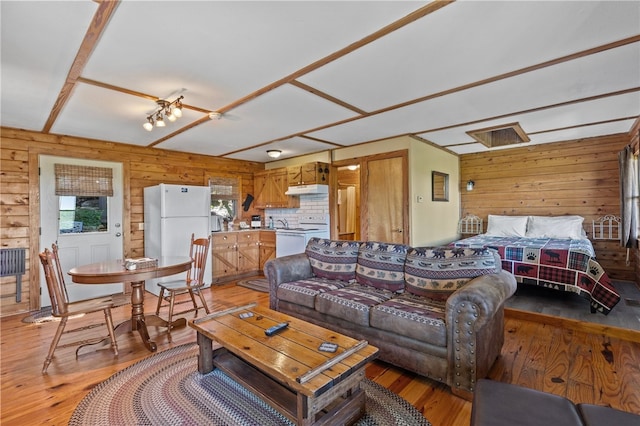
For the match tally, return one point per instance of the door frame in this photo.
(34, 212)
(363, 163)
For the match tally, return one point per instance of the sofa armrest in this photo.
(486, 292)
(283, 270)
(474, 318)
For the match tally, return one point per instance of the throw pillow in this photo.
(333, 259)
(381, 265)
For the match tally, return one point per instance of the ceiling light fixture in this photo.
(170, 110)
(274, 153)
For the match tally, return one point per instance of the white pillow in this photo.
(507, 226)
(556, 227)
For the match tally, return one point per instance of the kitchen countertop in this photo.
(244, 230)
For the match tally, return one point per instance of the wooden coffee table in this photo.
(287, 370)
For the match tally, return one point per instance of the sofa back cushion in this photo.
(381, 265)
(333, 259)
(436, 272)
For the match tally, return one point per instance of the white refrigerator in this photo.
(171, 214)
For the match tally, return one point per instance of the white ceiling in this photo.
(305, 76)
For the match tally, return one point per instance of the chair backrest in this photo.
(199, 252)
(57, 291)
(56, 259)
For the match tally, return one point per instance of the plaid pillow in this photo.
(436, 272)
(333, 259)
(381, 265)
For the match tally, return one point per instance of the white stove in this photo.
(294, 240)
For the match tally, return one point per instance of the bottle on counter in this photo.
(271, 222)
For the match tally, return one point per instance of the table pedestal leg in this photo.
(137, 315)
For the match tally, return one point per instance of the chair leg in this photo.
(172, 300)
(193, 300)
(112, 334)
(160, 299)
(54, 343)
(204, 302)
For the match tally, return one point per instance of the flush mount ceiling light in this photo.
(165, 109)
(274, 153)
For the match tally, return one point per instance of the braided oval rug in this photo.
(166, 389)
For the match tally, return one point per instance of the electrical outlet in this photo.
(420, 199)
(141, 226)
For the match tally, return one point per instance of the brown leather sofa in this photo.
(504, 404)
(438, 312)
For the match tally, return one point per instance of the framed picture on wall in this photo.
(439, 186)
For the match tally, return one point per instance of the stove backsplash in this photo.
(310, 204)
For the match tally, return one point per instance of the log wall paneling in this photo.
(576, 177)
(142, 167)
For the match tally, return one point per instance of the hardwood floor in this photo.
(586, 366)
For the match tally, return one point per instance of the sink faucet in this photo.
(284, 223)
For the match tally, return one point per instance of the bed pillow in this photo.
(507, 226)
(564, 227)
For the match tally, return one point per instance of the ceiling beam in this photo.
(91, 37)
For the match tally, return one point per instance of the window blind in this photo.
(223, 188)
(85, 181)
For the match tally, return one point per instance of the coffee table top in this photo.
(291, 356)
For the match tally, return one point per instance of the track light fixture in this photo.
(165, 109)
(274, 153)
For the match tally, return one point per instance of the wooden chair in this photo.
(63, 309)
(192, 284)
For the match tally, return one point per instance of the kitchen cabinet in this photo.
(270, 187)
(237, 253)
(308, 174)
(224, 255)
(248, 251)
(267, 247)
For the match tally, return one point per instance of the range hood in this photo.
(308, 189)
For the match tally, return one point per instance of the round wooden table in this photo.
(114, 272)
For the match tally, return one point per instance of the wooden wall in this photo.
(142, 167)
(565, 178)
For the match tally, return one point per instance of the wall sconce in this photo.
(171, 110)
(274, 153)
(470, 185)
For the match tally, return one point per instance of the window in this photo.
(78, 214)
(224, 196)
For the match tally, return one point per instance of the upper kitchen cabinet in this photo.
(270, 187)
(308, 174)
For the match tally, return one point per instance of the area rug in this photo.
(166, 389)
(259, 284)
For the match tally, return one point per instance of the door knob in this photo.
(399, 230)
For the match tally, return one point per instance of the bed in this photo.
(551, 252)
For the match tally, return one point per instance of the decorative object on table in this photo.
(140, 263)
(166, 389)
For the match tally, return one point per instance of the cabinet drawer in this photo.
(248, 237)
(268, 237)
(224, 240)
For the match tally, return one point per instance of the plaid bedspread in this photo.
(565, 265)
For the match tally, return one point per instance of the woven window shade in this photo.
(224, 188)
(85, 181)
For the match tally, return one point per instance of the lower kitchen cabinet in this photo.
(239, 253)
(267, 247)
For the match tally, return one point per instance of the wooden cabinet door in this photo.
(260, 190)
(294, 176)
(224, 255)
(267, 247)
(248, 251)
(308, 173)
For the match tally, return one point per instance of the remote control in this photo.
(276, 328)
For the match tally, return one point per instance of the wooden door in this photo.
(385, 198)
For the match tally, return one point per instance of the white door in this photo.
(79, 246)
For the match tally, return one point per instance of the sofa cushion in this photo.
(331, 259)
(351, 303)
(437, 272)
(304, 292)
(412, 316)
(381, 265)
